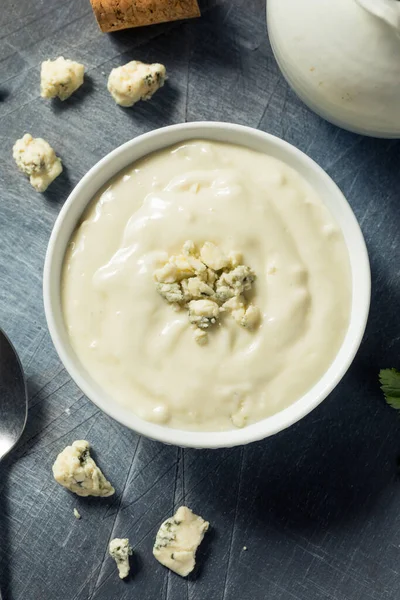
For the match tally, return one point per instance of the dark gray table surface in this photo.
(317, 506)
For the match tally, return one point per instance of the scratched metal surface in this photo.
(318, 506)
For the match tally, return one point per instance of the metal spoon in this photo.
(13, 397)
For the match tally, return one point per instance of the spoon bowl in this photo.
(13, 396)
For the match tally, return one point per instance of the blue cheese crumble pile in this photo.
(76, 470)
(120, 550)
(178, 539)
(206, 283)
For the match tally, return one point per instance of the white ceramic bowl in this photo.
(235, 134)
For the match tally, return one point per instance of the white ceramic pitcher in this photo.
(342, 58)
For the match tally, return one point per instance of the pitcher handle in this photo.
(387, 10)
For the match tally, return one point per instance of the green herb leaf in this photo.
(390, 386)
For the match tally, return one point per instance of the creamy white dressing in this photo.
(142, 352)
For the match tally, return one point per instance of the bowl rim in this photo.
(119, 159)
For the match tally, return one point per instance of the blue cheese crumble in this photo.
(76, 470)
(178, 539)
(37, 159)
(120, 550)
(60, 78)
(135, 81)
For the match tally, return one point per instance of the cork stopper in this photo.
(113, 15)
